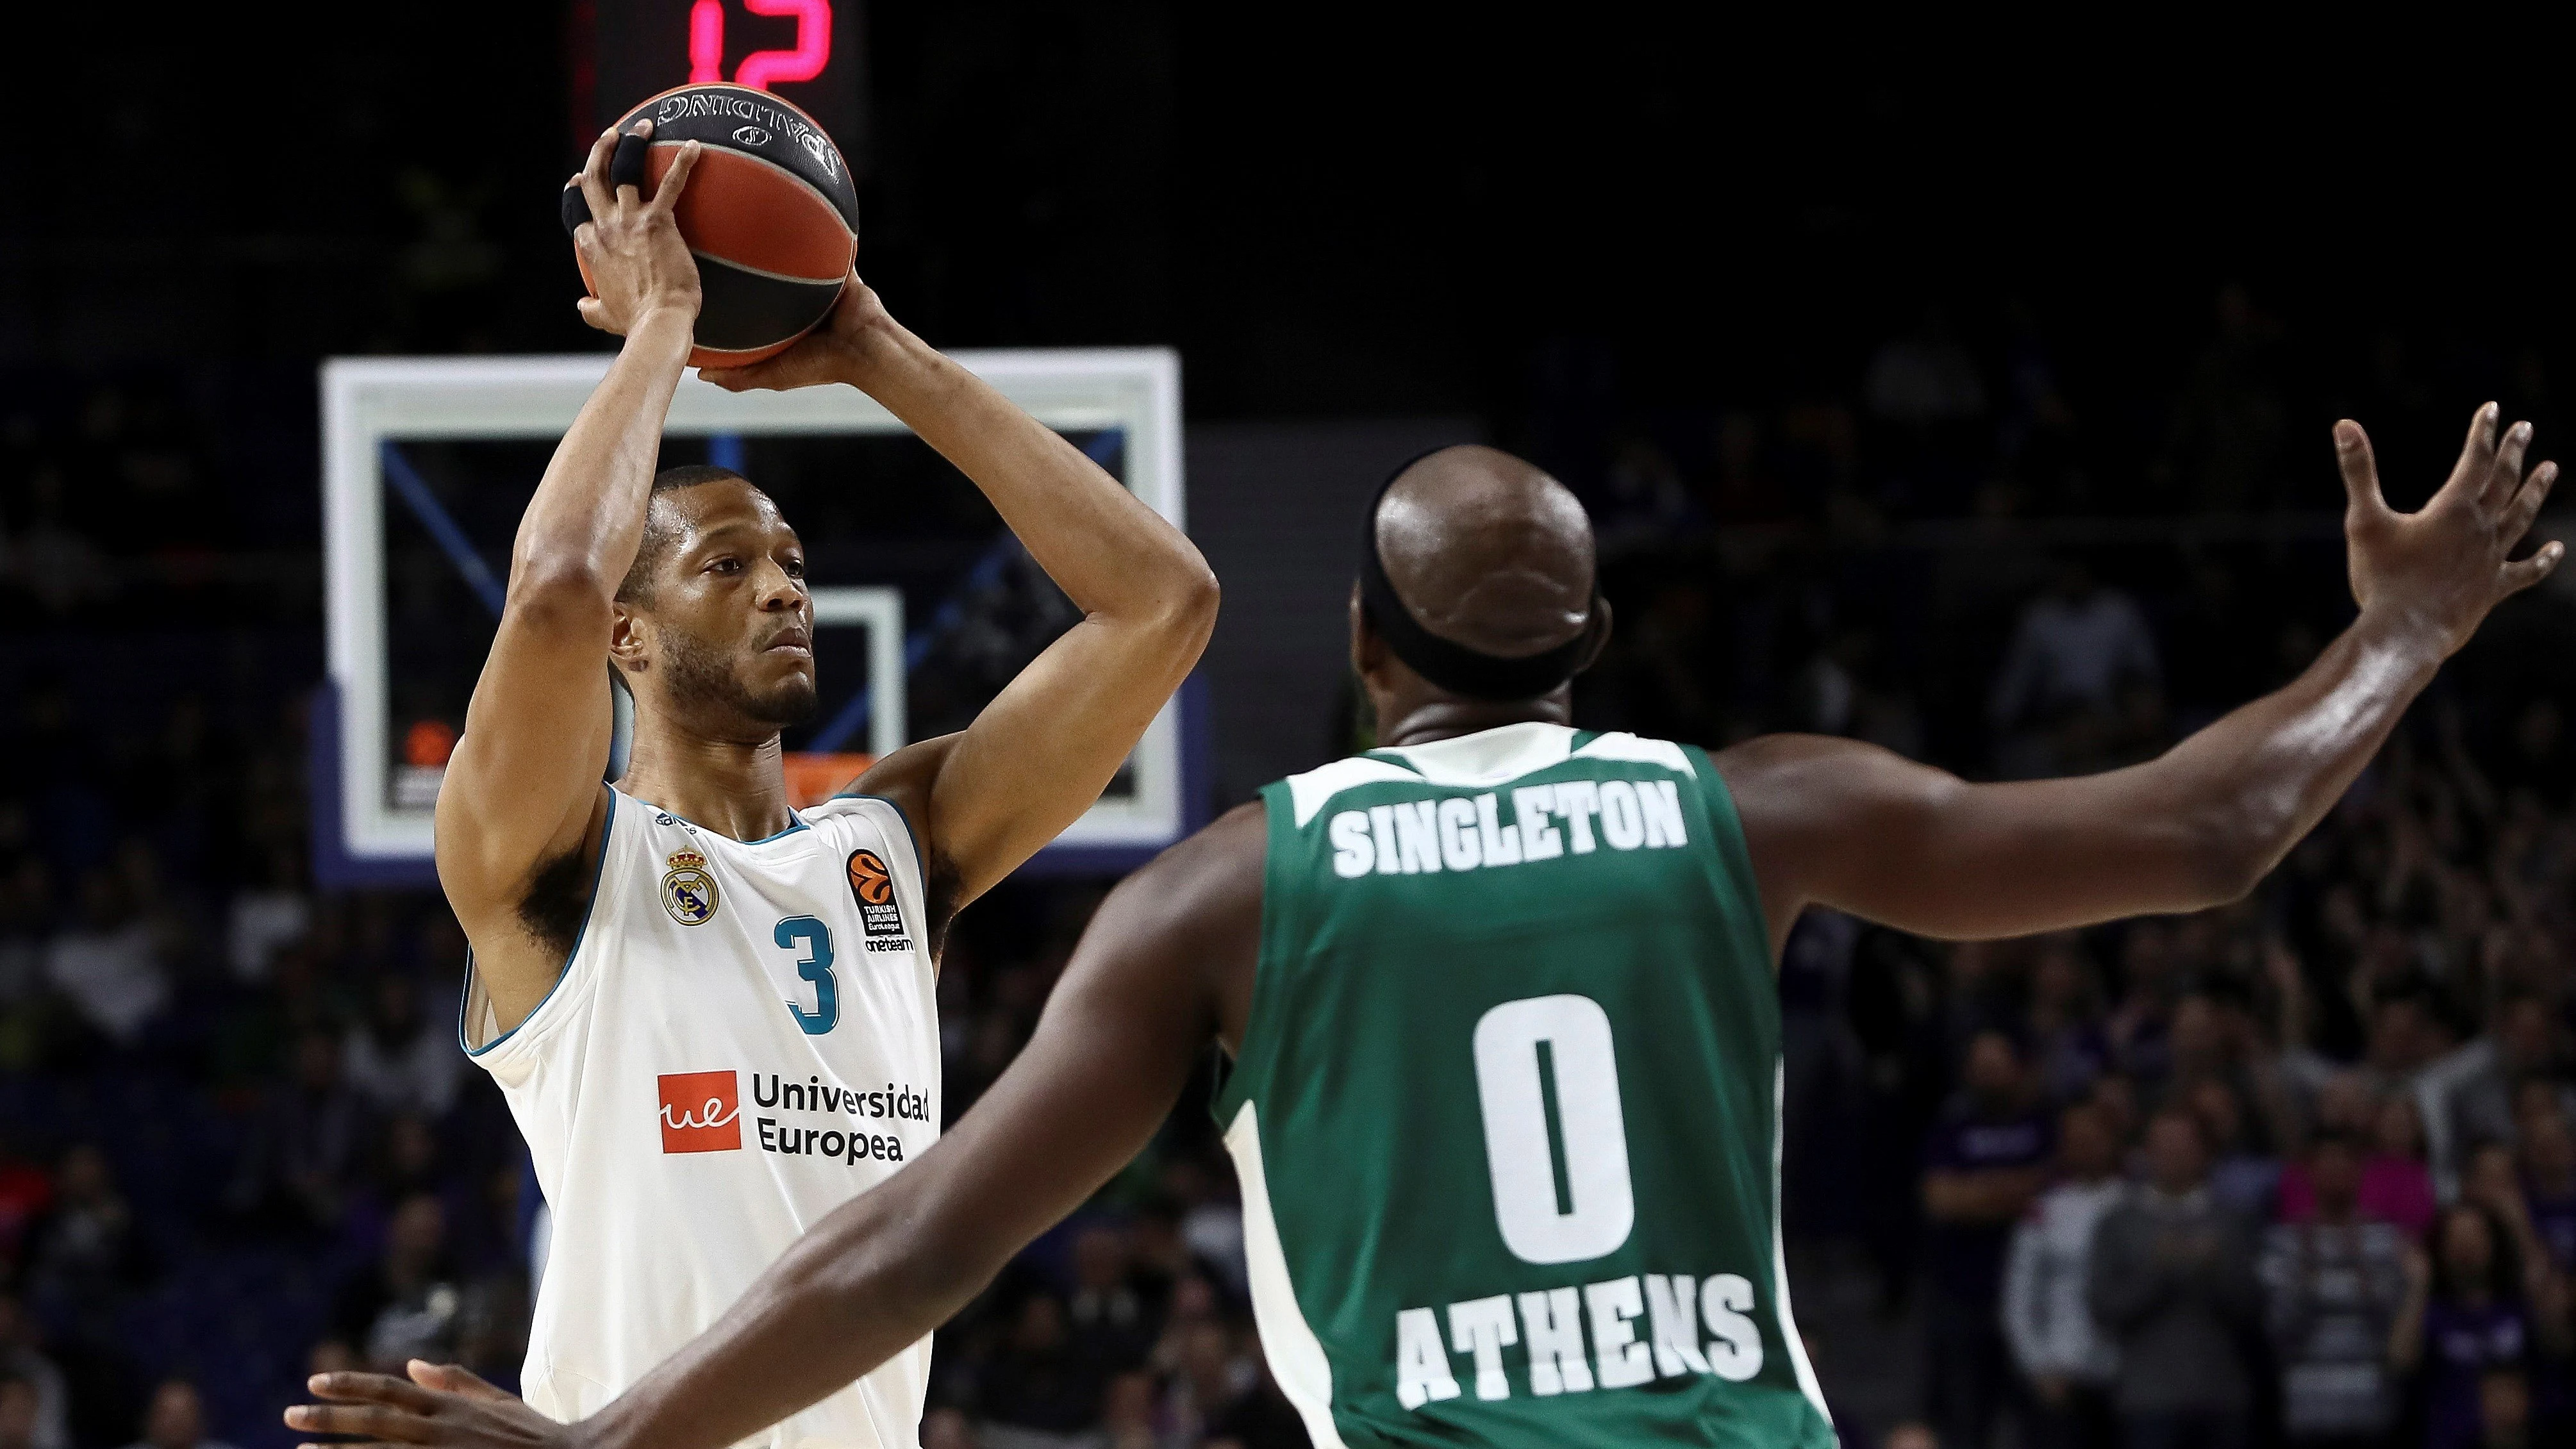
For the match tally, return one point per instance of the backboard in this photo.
(924, 604)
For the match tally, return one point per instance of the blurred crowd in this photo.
(2295, 1171)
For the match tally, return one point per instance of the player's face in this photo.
(734, 629)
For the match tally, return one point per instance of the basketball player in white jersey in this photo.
(712, 1014)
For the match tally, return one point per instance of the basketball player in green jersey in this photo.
(1505, 1084)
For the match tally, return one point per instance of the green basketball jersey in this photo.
(1507, 1109)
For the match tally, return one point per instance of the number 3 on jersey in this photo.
(1547, 1080)
(815, 965)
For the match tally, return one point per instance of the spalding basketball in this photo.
(770, 214)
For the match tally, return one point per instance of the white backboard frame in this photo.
(367, 402)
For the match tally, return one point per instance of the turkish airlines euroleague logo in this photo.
(701, 1112)
(873, 886)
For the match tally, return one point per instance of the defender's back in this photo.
(1506, 1112)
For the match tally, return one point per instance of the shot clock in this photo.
(806, 52)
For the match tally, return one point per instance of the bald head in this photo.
(1487, 551)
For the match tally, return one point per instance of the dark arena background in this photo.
(1965, 393)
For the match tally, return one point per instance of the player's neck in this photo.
(1421, 721)
(727, 786)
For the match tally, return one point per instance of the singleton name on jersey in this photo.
(1419, 837)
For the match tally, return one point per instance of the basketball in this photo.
(770, 213)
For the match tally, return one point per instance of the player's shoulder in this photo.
(1801, 773)
(1763, 754)
(853, 819)
(1220, 864)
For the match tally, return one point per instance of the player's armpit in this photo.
(522, 781)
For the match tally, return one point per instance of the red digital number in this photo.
(761, 68)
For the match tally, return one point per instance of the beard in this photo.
(703, 680)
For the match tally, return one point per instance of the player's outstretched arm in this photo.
(1039, 755)
(1166, 958)
(523, 786)
(1847, 825)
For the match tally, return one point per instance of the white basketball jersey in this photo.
(745, 1038)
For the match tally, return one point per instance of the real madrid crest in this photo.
(688, 892)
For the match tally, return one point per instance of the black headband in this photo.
(1445, 662)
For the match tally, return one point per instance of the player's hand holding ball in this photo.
(630, 250)
(2433, 574)
(840, 350)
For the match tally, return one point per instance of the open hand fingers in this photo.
(2477, 454)
(369, 1421)
(626, 164)
(2504, 475)
(667, 195)
(754, 378)
(2524, 506)
(362, 1388)
(2360, 469)
(454, 1378)
(594, 173)
(2523, 574)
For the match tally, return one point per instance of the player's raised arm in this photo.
(523, 787)
(1164, 962)
(1866, 831)
(1039, 755)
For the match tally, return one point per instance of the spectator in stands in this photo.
(2141, 1025)
(1039, 1393)
(23, 1359)
(1210, 1373)
(1107, 1317)
(87, 1250)
(2069, 1047)
(1211, 1219)
(2232, 421)
(176, 1419)
(2467, 1316)
(108, 964)
(2493, 1182)
(2065, 1358)
(1923, 378)
(2333, 1285)
(2504, 1410)
(18, 1408)
(408, 1304)
(2477, 1095)
(2075, 656)
(1987, 1159)
(1127, 1414)
(398, 1060)
(2173, 1285)
(305, 1149)
(268, 919)
(2244, 1177)
(2547, 1159)
(1194, 1301)
(2396, 1184)
(1260, 1416)
(26, 1189)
